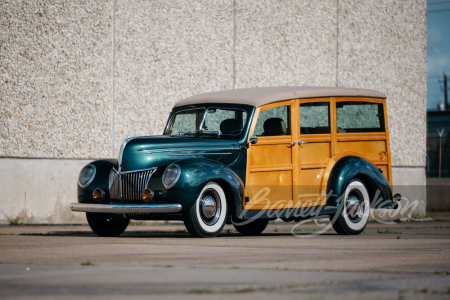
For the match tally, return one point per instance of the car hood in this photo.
(153, 151)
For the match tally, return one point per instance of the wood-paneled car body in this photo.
(248, 156)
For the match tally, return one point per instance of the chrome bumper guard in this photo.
(126, 208)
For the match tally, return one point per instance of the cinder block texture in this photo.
(56, 64)
(55, 78)
(166, 51)
(285, 43)
(382, 46)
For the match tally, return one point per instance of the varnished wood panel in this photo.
(371, 100)
(314, 165)
(266, 189)
(388, 174)
(315, 152)
(271, 167)
(314, 157)
(310, 187)
(372, 136)
(271, 155)
(370, 149)
(297, 176)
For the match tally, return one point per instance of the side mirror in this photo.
(253, 139)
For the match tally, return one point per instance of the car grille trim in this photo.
(132, 184)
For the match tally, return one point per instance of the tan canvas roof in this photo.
(264, 95)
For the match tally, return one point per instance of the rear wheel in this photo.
(354, 215)
(208, 215)
(254, 228)
(106, 224)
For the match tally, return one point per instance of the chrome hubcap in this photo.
(355, 206)
(210, 207)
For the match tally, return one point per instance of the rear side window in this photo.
(273, 122)
(314, 118)
(359, 117)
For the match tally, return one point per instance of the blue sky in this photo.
(438, 50)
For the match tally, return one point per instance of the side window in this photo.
(359, 117)
(274, 121)
(315, 118)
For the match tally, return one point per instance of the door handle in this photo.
(302, 142)
(293, 143)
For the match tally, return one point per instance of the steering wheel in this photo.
(236, 131)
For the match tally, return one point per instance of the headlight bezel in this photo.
(94, 170)
(175, 180)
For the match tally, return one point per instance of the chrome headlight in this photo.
(171, 176)
(87, 174)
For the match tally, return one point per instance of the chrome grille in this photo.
(132, 185)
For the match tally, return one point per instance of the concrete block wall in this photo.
(76, 78)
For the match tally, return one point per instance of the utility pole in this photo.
(440, 148)
(445, 90)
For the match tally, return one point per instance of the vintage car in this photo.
(248, 156)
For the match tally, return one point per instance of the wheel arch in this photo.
(230, 197)
(101, 180)
(354, 167)
(197, 172)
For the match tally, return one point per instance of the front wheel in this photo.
(354, 214)
(106, 225)
(207, 216)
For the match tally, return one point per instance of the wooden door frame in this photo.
(331, 138)
(294, 127)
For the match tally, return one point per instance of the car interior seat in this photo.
(229, 125)
(274, 126)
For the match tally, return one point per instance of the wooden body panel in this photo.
(297, 175)
(374, 150)
(271, 167)
(315, 156)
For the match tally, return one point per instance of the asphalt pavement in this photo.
(406, 260)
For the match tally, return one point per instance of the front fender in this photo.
(196, 173)
(352, 167)
(101, 180)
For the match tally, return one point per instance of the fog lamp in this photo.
(147, 195)
(98, 195)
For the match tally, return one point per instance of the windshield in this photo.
(186, 122)
(217, 121)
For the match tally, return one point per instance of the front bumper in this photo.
(126, 208)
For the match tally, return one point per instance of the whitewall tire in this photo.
(208, 215)
(354, 214)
